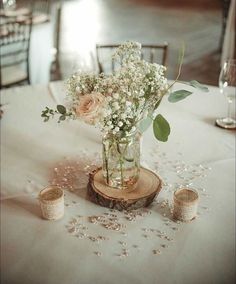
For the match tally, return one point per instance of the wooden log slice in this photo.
(149, 185)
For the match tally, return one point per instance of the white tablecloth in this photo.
(34, 250)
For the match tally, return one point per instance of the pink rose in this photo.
(89, 107)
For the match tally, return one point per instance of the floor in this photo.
(196, 24)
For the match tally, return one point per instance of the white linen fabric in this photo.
(34, 250)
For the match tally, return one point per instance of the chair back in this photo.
(150, 52)
(41, 10)
(15, 34)
(41, 7)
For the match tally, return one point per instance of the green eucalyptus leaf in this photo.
(178, 96)
(198, 85)
(144, 124)
(62, 117)
(161, 128)
(61, 109)
(129, 159)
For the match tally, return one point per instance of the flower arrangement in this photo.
(123, 102)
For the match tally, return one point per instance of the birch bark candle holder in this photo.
(51, 201)
(185, 204)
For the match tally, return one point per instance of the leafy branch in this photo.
(61, 111)
(182, 94)
(161, 127)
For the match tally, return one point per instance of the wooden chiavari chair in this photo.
(15, 37)
(150, 52)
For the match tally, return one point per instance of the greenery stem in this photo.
(106, 153)
(121, 171)
(181, 57)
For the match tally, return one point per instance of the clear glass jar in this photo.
(121, 160)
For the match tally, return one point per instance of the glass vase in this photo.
(121, 160)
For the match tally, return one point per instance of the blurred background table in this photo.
(37, 251)
(76, 26)
(41, 38)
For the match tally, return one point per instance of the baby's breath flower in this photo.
(128, 110)
(116, 96)
(128, 95)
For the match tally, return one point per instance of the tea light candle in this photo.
(185, 204)
(51, 201)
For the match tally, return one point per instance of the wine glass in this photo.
(227, 84)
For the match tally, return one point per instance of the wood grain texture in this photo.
(149, 185)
